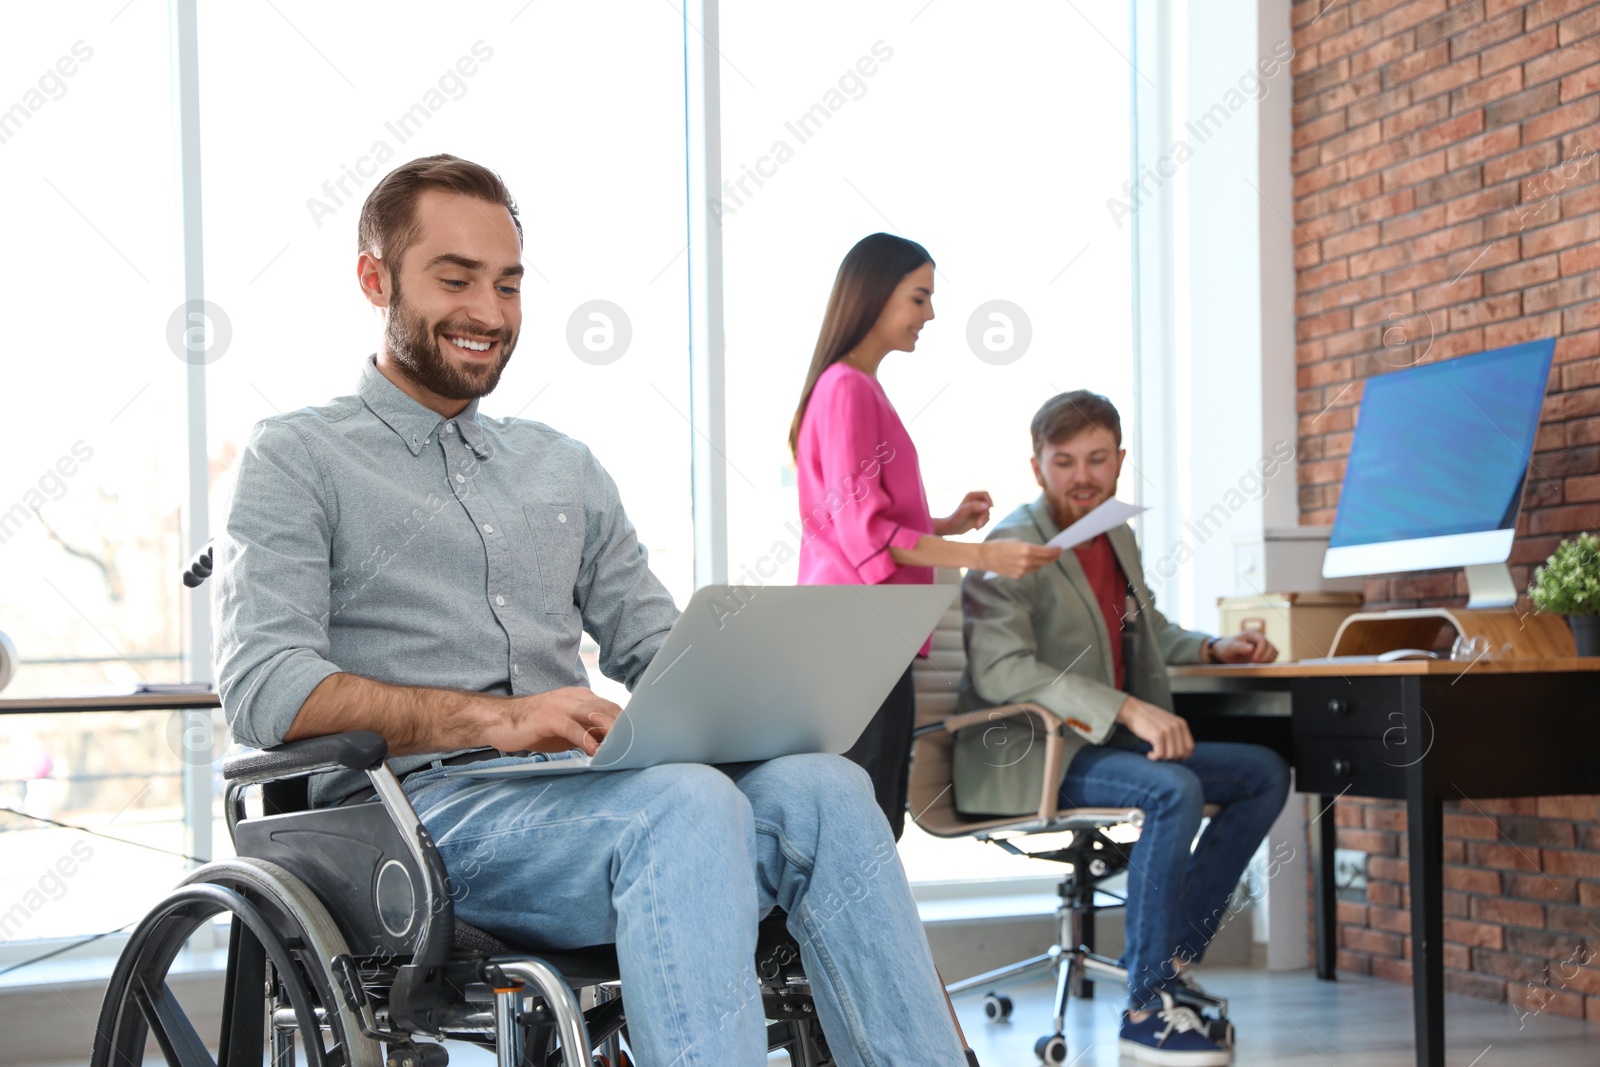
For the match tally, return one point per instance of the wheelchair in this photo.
(344, 943)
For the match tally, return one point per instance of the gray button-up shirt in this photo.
(375, 537)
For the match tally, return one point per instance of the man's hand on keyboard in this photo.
(556, 721)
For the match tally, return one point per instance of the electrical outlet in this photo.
(1350, 870)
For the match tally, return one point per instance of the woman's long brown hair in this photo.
(866, 280)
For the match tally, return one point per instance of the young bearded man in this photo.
(1066, 639)
(396, 561)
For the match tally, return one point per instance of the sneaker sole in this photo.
(1134, 1050)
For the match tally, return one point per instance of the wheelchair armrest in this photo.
(359, 750)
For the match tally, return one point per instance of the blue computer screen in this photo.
(1443, 448)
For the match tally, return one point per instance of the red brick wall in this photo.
(1521, 900)
(1447, 202)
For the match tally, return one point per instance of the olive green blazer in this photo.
(1042, 638)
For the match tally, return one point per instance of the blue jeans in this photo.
(1177, 900)
(676, 865)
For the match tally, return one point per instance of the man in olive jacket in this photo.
(1083, 639)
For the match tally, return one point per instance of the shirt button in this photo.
(500, 600)
(449, 427)
(488, 528)
(461, 477)
(561, 517)
(515, 670)
(413, 439)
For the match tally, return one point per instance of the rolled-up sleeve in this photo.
(271, 589)
(849, 444)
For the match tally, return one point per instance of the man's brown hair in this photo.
(388, 223)
(1066, 415)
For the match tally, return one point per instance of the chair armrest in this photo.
(1055, 728)
(359, 750)
(984, 715)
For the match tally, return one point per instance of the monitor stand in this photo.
(1491, 614)
(1489, 585)
(1505, 633)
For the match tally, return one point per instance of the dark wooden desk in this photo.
(1419, 731)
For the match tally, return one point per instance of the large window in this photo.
(94, 474)
(93, 484)
(600, 189)
(994, 135)
(303, 106)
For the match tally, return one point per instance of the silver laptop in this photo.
(755, 672)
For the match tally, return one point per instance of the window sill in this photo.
(979, 900)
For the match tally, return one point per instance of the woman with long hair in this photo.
(862, 504)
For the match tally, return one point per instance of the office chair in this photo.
(1090, 854)
(344, 935)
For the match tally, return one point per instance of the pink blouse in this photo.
(860, 486)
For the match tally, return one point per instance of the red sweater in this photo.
(1110, 587)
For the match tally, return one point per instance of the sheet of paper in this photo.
(1107, 516)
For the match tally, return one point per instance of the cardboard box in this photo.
(1302, 625)
(1286, 557)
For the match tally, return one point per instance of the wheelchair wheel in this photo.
(280, 933)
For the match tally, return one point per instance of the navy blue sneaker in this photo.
(1174, 1036)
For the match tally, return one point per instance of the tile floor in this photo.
(1289, 1019)
(1284, 1020)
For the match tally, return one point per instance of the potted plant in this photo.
(1569, 584)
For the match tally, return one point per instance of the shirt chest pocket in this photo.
(557, 531)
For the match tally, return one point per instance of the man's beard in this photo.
(1065, 512)
(416, 351)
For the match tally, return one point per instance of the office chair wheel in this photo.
(1051, 1048)
(280, 934)
(997, 1007)
(1220, 1031)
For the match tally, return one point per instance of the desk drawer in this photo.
(1360, 707)
(1359, 765)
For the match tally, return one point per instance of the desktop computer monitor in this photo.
(1436, 469)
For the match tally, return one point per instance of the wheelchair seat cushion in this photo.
(579, 966)
(479, 942)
